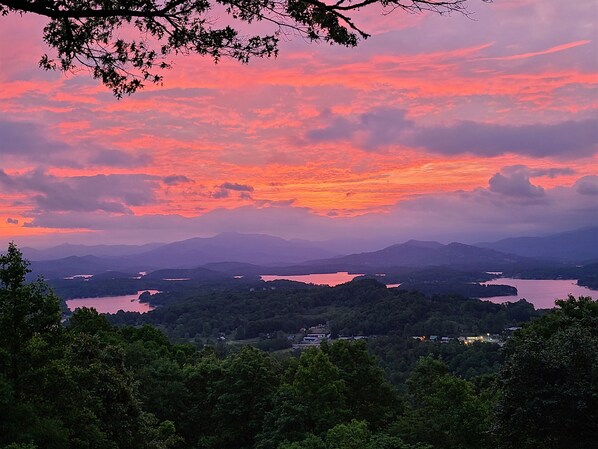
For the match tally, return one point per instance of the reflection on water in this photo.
(541, 292)
(85, 277)
(330, 279)
(112, 304)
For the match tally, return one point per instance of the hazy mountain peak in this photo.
(578, 245)
(423, 244)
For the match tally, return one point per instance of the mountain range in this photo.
(574, 246)
(416, 253)
(252, 253)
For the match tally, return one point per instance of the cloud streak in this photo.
(548, 51)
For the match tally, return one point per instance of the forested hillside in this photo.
(361, 307)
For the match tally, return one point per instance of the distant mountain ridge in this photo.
(253, 254)
(230, 247)
(426, 254)
(69, 250)
(75, 265)
(257, 249)
(580, 245)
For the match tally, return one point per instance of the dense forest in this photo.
(89, 384)
(360, 307)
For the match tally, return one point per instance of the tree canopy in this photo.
(126, 43)
(549, 382)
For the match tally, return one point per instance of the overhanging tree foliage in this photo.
(126, 43)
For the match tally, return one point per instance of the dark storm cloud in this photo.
(108, 193)
(383, 127)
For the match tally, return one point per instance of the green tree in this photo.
(312, 400)
(550, 380)
(29, 316)
(444, 410)
(243, 394)
(91, 33)
(309, 442)
(352, 435)
(371, 398)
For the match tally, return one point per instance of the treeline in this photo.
(116, 284)
(471, 290)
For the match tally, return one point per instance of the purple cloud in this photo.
(588, 185)
(566, 140)
(174, 180)
(224, 189)
(27, 141)
(381, 128)
(237, 187)
(118, 158)
(108, 193)
(220, 193)
(552, 172)
(25, 138)
(515, 185)
(12, 221)
(371, 130)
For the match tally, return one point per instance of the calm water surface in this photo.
(112, 304)
(541, 292)
(330, 279)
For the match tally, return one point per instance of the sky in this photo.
(445, 128)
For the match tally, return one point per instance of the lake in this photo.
(112, 304)
(541, 292)
(330, 279)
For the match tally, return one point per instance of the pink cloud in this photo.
(427, 107)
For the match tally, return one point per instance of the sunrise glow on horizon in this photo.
(434, 127)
